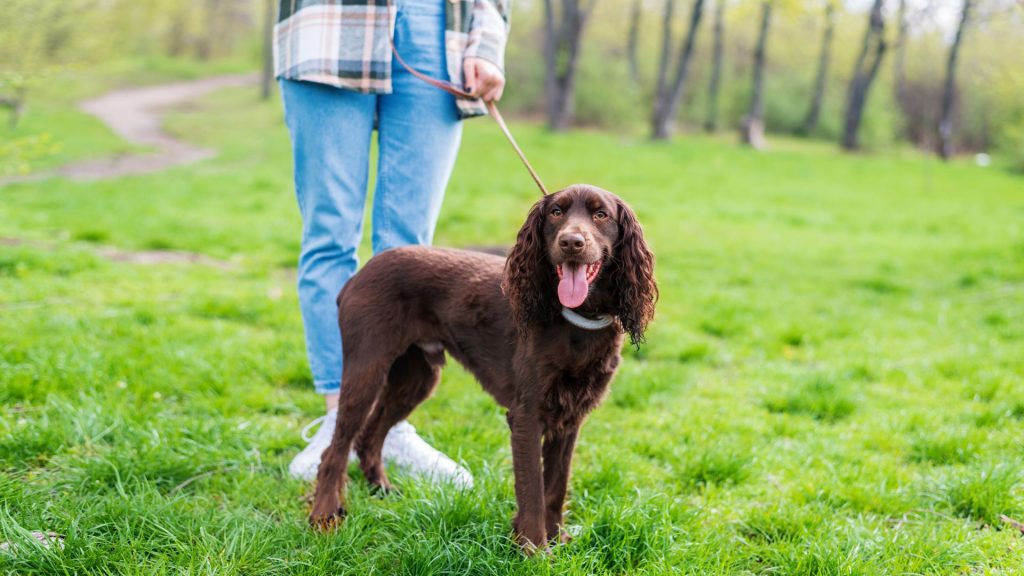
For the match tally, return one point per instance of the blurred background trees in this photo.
(563, 38)
(949, 88)
(821, 76)
(717, 58)
(752, 126)
(669, 91)
(865, 73)
(869, 60)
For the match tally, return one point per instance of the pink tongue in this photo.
(573, 287)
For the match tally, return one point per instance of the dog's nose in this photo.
(571, 243)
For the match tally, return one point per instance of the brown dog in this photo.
(541, 331)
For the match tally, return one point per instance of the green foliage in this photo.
(39, 35)
(989, 76)
(1011, 144)
(18, 155)
(39, 41)
(621, 108)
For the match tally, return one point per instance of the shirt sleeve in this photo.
(488, 32)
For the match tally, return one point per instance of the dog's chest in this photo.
(572, 394)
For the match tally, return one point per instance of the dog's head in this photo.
(582, 248)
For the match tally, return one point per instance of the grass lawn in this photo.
(833, 383)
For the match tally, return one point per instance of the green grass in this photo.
(832, 385)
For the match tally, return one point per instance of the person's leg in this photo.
(330, 131)
(419, 133)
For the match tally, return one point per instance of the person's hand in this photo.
(483, 79)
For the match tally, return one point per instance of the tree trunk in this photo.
(550, 60)
(561, 57)
(717, 56)
(268, 49)
(633, 41)
(899, 58)
(661, 90)
(179, 29)
(814, 112)
(668, 105)
(752, 131)
(946, 119)
(206, 44)
(860, 84)
(16, 104)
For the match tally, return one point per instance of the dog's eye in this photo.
(601, 215)
(556, 211)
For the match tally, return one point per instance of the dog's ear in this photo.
(527, 282)
(636, 291)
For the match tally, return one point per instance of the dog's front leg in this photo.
(558, 449)
(526, 452)
(328, 510)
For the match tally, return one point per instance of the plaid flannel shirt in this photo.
(345, 43)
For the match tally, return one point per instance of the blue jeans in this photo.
(418, 133)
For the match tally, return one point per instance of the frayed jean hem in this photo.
(326, 387)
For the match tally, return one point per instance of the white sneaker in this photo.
(403, 447)
(306, 463)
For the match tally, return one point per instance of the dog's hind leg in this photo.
(411, 379)
(362, 385)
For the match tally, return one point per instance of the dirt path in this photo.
(135, 114)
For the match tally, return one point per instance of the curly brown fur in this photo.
(528, 282)
(579, 248)
(634, 274)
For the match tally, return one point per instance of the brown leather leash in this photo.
(492, 107)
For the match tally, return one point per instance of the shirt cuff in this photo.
(488, 33)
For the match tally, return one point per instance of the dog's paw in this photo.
(327, 522)
(528, 547)
(384, 489)
(558, 536)
(530, 544)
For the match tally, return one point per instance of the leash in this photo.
(492, 107)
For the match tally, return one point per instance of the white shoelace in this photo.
(306, 435)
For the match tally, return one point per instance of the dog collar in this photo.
(574, 318)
